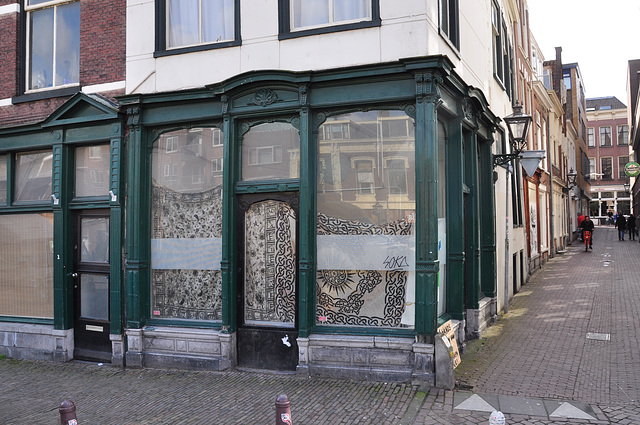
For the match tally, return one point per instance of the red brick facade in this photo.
(9, 48)
(102, 57)
(102, 41)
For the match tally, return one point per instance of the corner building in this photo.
(301, 186)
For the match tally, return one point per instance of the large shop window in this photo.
(366, 220)
(92, 170)
(33, 176)
(186, 229)
(53, 43)
(26, 266)
(271, 151)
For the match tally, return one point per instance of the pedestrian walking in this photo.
(631, 225)
(621, 225)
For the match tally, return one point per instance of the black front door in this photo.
(91, 286)
(267, 307)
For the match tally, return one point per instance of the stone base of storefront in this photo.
(372, 358)
(180, 348)
(35, 342)
(480, 319)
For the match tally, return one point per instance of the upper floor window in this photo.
(623, 134)
(502, 66)
(302, 17)
(622, 161)
(197, 24)
(449, 21)
(606, 167)
(566, 76)
(53, 43)
(591, 137)
(605, 136)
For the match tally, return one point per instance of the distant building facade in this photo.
(608, 143)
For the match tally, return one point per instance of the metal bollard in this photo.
(497, 418)
(283, 410)
(68, 413)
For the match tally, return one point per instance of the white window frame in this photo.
(216, 165)
(254, 154)
(600, 132)
(200, 42)
(591, 137)
(331, 22)
(618, 129)
(171, 144)
(29, 9)
(216, 138)
(604, 175)
(621, 173)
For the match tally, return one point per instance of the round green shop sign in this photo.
(632, 169)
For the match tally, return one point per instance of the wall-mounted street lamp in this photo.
(571, 179)
(627, 187)
(518, 124)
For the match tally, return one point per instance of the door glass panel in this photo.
(92, 170)
(94, 296)
(94, 240)
(271, 151)
(270, 264)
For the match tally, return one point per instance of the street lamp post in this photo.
(518, 125)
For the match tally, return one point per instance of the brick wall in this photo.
(102, 57)
(102, 41)
(9, 30)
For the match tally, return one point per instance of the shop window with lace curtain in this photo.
(366, 244)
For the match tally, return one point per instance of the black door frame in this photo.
(268, 347)
(91, 336)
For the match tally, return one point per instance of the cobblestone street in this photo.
(567, 352)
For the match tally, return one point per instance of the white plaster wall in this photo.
(409, 29)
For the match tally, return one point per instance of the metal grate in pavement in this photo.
(598, 336)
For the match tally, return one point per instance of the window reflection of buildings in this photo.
(190, 160)
(369, 164)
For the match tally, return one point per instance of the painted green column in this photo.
(472, 222)
(455, 220)
(62, 236)
(115, 231)
(488, 283)
(137, 224)
(427, 265)
(307, 231)
(227, 263)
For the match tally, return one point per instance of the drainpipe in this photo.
(506, 245)
(552, 220)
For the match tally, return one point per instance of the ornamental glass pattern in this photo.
(366, 220)
(186, 215)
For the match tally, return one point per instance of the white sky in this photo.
(597, 34)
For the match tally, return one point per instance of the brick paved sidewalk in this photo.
(551, 346)
(570, 333)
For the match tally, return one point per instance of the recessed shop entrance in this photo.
(267, 281)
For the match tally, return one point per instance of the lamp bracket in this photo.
(504, 159)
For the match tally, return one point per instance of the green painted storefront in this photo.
(239, 211)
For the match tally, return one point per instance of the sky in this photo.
(597, 34)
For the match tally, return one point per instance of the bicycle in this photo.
(586, 236)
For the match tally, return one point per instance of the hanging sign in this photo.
(632, 169)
